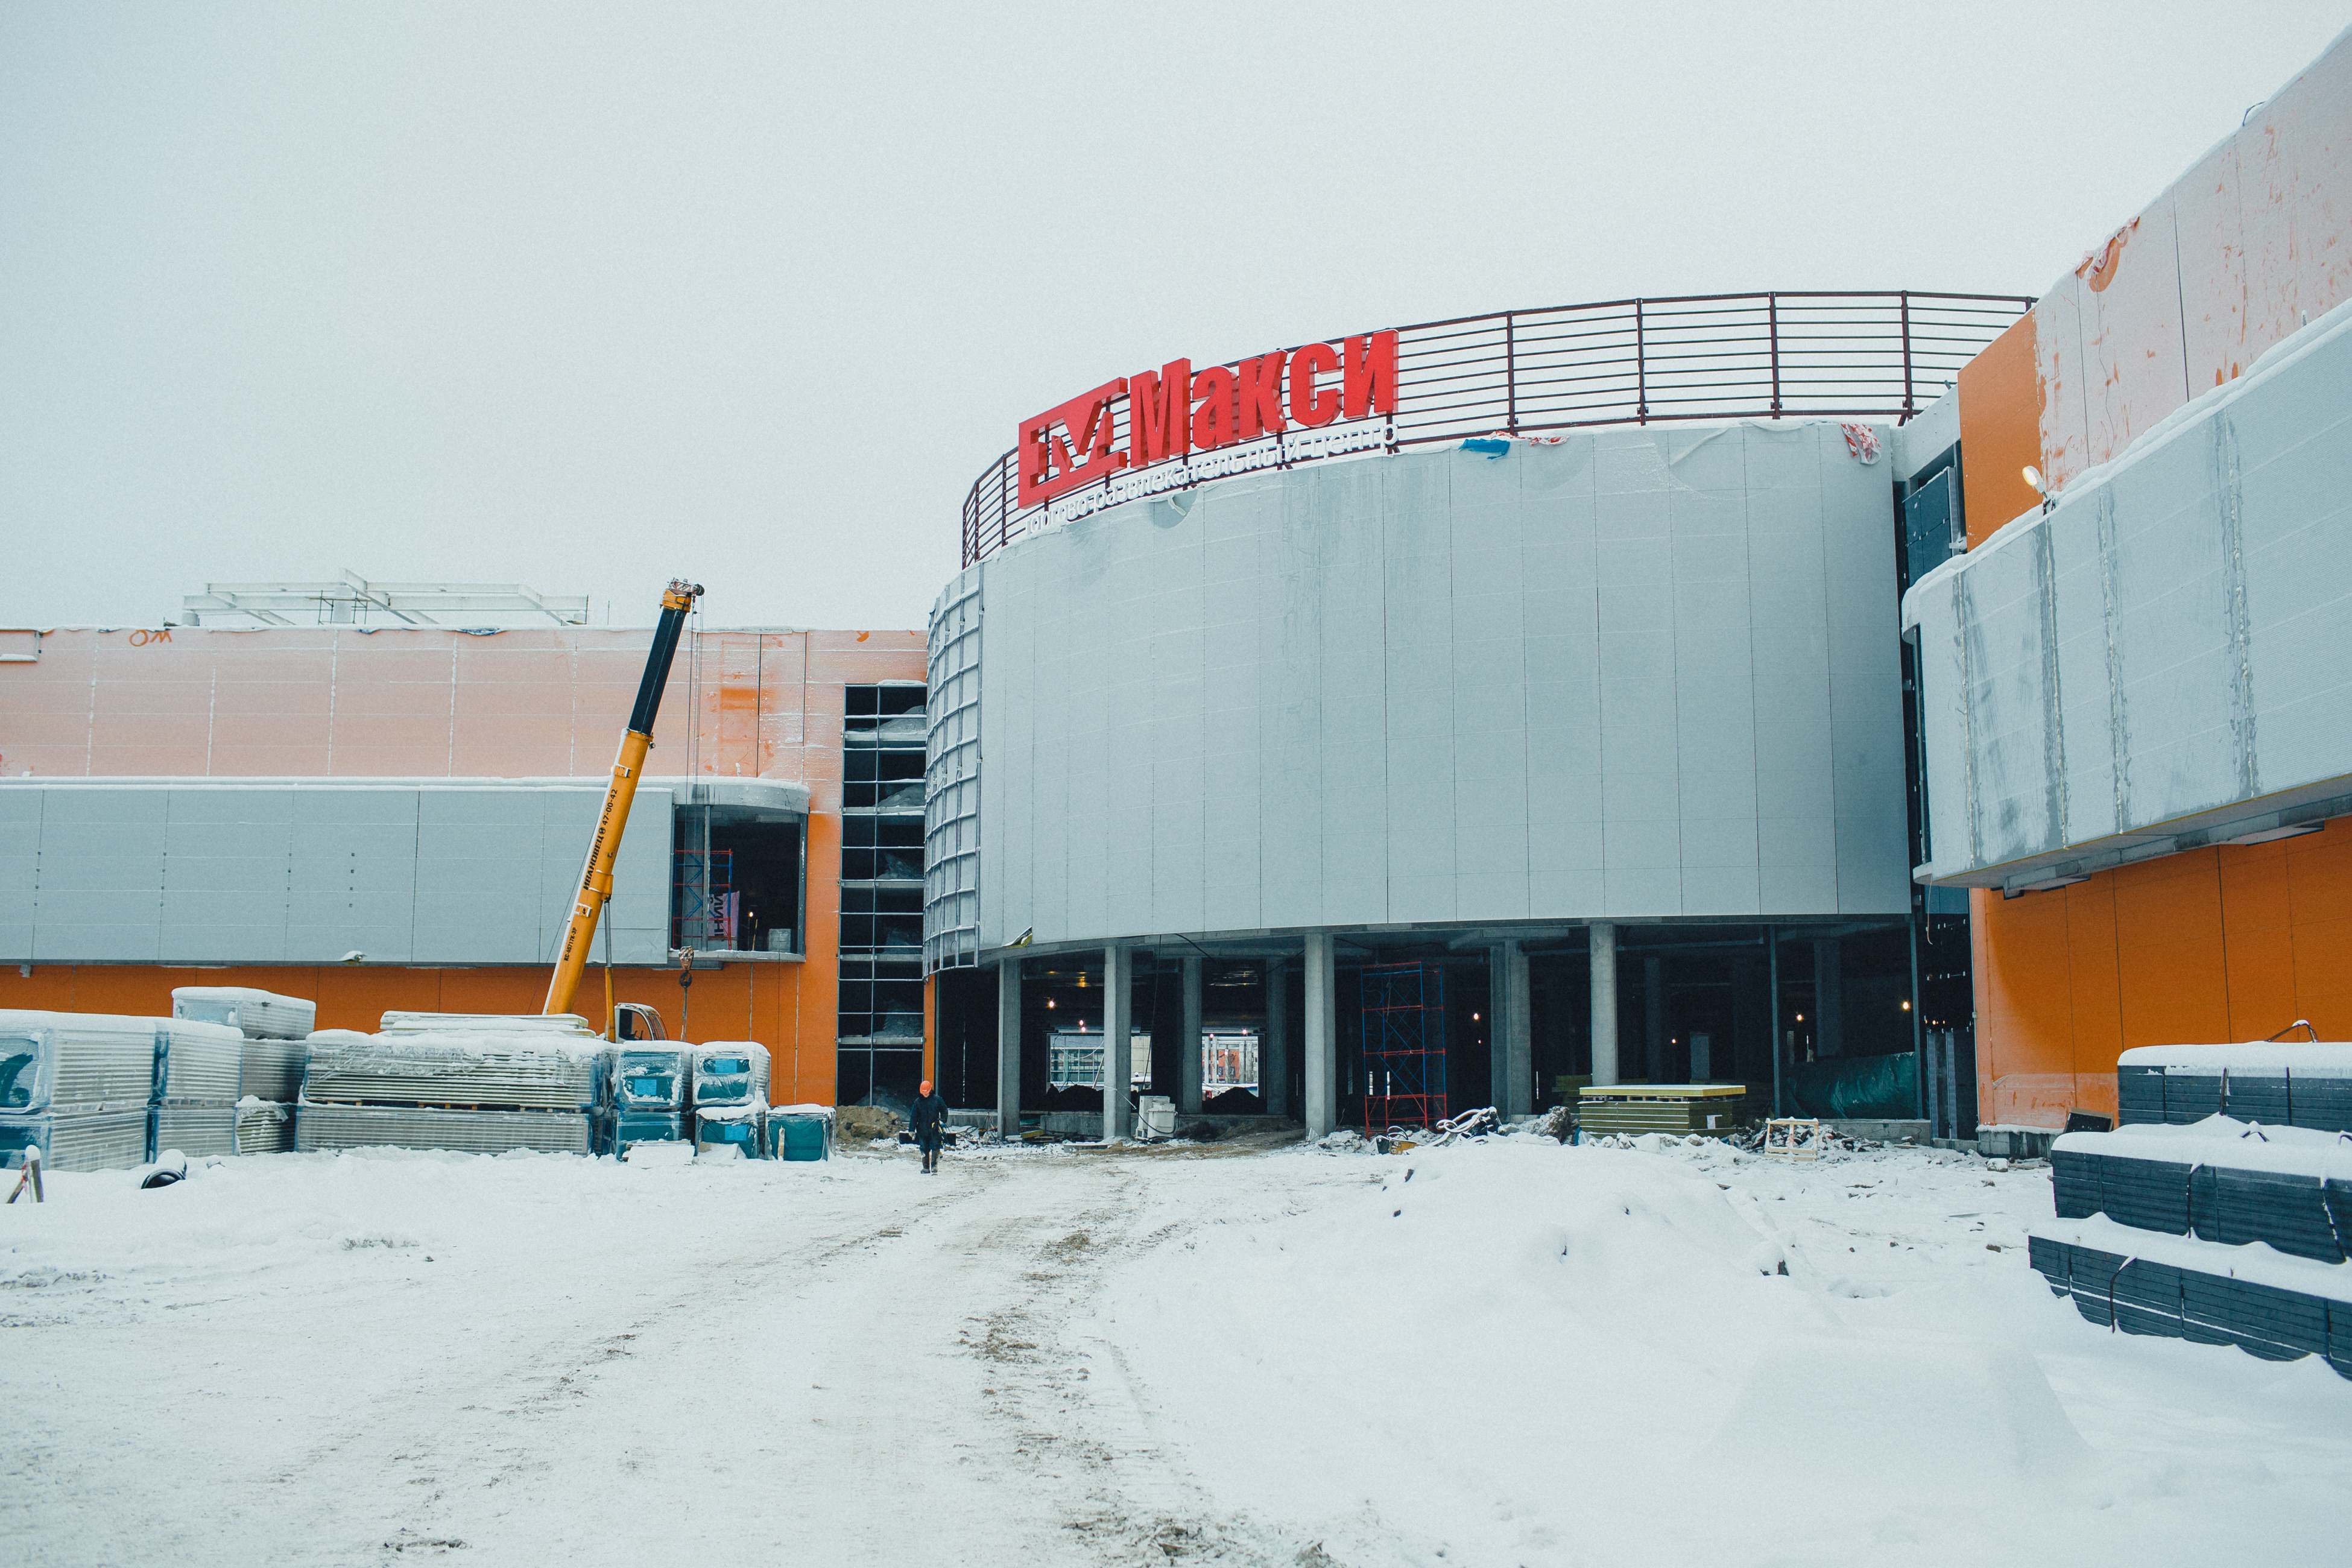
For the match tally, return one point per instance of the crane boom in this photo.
(596, 877)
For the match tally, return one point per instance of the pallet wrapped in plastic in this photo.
(76, 1062)
(273, 1069)
(197, 1063)
(725, 1129)
(651, 1077)
(257, 1014)
(264, 1127)
(730, 1072)
(195, 1131)
(328, 1127)
(474, 1066)
(800, 1132)
(626, 1129)
(113, 1140)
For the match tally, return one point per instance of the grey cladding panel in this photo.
(1597, 677)
(222, 874)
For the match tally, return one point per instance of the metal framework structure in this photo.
(1404, 1046)
(353, 600)
(1814, 355)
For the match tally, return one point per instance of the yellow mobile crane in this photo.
(596, 877)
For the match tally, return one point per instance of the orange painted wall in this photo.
(2214, 944)
(339, 703)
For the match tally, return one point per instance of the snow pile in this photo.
(1524, 1352)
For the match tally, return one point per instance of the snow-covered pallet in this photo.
(2220, 1181)
(2278, 1085)
(800, 1132)
(503, 1070)
(76, 1140)
(257, 1014)
(647, 1078)
(624, 1128)
(730, 1072)
(2272, 1306)
(328, 1127)
(195, 1131)
(197, 1063)
(76, 1062)
(742, 1127)
(264, 1127)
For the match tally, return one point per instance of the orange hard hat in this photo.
(927, 1087)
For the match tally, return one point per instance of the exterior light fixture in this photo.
(1800, 1018)
(1907, 1003)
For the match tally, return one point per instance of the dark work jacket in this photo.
(928, 1115)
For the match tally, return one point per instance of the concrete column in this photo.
(1654, 1016)
(1515, 1086)
(1118, 1024)
(1273, 1058)
(1188, 1041)
(1603, 942)
(1008, 1047)
(1322, 1047)
(1829, 999)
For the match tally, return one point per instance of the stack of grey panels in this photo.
(2221, 1231)
(336, 1127)
(256, 1014)
(198, 1069)
(274, 1029)
(264, 1127)
(473, 1084)
(78, 1086)
(2278, 1084)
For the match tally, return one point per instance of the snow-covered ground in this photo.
(1502, 1352)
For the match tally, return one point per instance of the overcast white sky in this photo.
(585, 296)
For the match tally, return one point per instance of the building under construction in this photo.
(1898, 702)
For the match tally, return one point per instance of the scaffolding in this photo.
(1404, 1046)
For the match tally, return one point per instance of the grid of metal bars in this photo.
(1404, 1046)
(1814, 355)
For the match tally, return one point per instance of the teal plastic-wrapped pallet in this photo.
(730, 1072)
(800, 1132)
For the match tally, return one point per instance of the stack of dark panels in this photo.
(2289, 1084)
(2191, 1094)
(2139, 1096)
(2287, 1211)
(2146, 1195)
(2321, 1102)
(2144, 1296)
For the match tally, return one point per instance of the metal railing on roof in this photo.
(1812, 355)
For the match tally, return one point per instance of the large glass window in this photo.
(879, 1028)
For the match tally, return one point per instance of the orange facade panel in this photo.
(2227, 943)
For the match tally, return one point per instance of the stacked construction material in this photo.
(648, 1104)
(1711, 1108)
(2220, 1229)
(78, 1086)
(470, 1082)
(2278, 1085)
(800, 1132)
(274, 1028)
(199, 1069)
(731, 1098)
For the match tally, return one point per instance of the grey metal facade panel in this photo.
(222, 873)
(1590, 678)
(2169, 643)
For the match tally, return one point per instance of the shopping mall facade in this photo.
(1658, 689)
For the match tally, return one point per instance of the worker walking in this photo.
(929, 1119)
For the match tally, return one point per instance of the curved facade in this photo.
(1626, 675)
